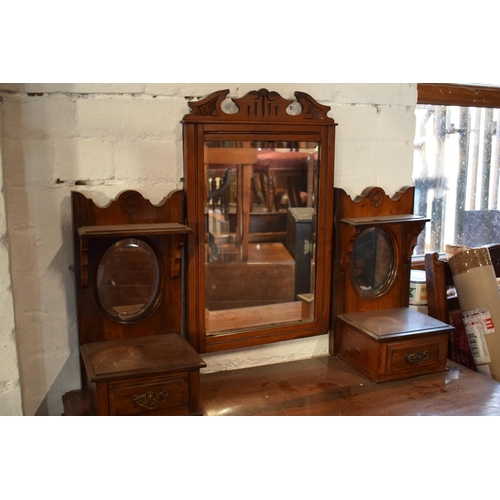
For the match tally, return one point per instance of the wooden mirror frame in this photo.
(261, 115)
(374, 209)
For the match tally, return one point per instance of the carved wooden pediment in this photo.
(256, 106)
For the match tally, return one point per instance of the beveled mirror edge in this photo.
(377, 290)
(312, 120)
(146, 309)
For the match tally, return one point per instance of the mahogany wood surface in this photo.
(449, 94)
(156, 354)
(326, 385)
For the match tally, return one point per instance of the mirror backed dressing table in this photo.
(258, 227)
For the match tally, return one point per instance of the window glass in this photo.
(456, 176)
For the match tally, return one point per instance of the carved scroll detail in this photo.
(261, 104)
(256, 106)
(210, 106)
(311, 108)
(177, 244)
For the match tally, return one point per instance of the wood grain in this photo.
(326, 385)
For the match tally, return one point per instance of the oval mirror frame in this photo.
(260, 116)
(132, 295)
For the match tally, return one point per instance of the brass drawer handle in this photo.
(150, 399)
(417, 357)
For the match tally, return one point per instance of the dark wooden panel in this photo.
(449, 94)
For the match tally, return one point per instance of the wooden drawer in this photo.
(161, 396)
(155, 375)
(416, 356)
(392, 344)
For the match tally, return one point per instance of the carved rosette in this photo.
(130, 202)
(376, 197)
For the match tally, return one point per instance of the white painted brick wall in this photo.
(10, 392)
(129, 136)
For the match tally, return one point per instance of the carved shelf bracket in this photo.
(84, 262)
(177, 245)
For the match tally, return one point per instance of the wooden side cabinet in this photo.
(128, 267)
(392, 344)
(374, 329)
(156, 375)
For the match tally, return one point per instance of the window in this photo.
(457, 165)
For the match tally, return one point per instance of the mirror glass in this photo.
(260, 213)
(128, 279)
(372, 261)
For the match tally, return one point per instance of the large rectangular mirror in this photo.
(259, 191)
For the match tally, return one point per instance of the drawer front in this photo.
(159, 396)
(412, 357)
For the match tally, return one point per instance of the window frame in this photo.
(455, 94)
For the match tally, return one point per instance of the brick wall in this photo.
(10, 392)
(105, 138)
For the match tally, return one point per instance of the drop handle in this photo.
(150, 399)
(417, 357)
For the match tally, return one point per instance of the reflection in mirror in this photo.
(260, 234)
(372, 261)
(128, 279)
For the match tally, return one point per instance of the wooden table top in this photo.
(328, 386)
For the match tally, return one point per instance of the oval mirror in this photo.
(128, 279)
(372, 262)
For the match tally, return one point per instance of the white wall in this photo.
(129, 136)
(10, 391)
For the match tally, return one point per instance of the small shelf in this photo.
(383, 219)
(124, 230)
(86, 233)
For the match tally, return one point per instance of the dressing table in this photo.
(247, 287)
